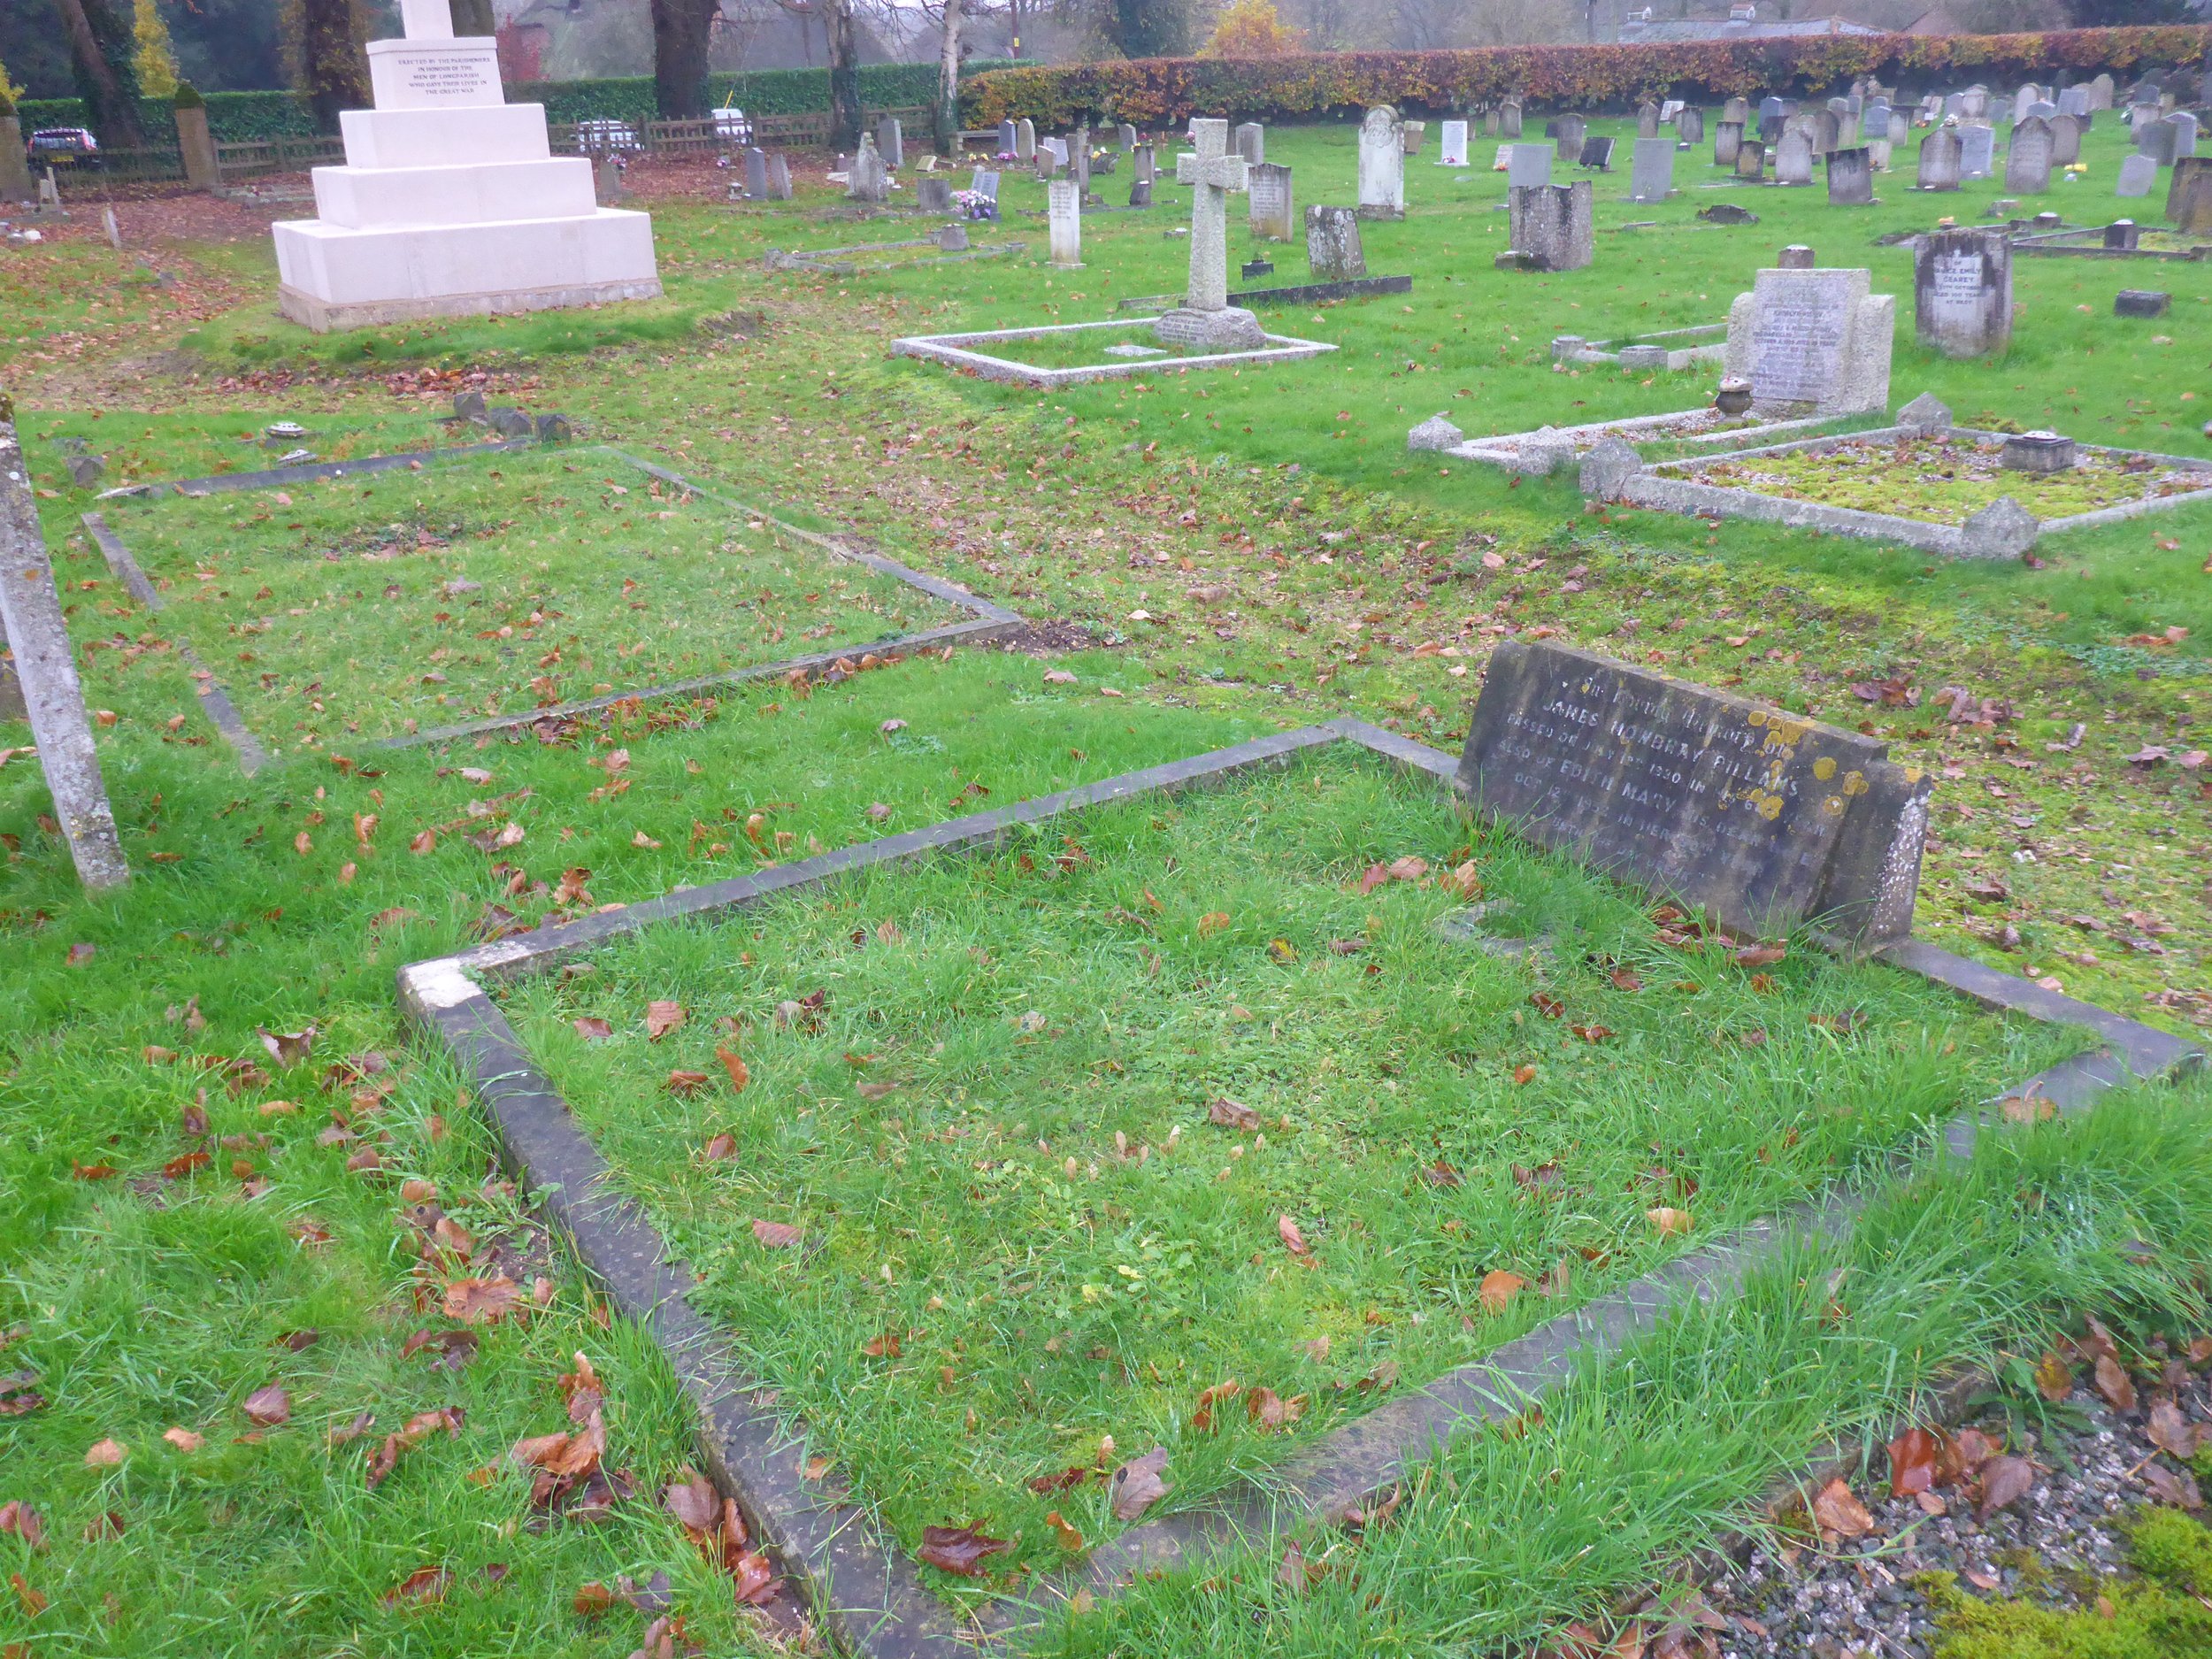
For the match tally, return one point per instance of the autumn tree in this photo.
(101, 48)
(1251, 28)
(153, 55)
(334, 70)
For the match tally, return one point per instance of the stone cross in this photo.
(1211, 173)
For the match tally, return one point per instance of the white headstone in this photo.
(1064, 221)
(1452, 149)
(1382, 164)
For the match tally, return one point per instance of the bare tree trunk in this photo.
(949, 83)
(680, 30)
(105, 79)
(336, 75)
(844, 75)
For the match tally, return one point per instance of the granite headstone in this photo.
(1963, 292)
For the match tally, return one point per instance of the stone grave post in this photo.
(1572, 130)
(1382, 164)
(1272, 216)
(1651, 174)
(2189, 197)
(37, 635)
(1333, 251)
(1206, 318)
(1064, 224)
(1793, 159)
(2028, 157)
(1961, 291)
(1850, 177)
(1796, 257)
(1528, 164)
(1940, 155)
(1550, 225)
(1252, 142)
(1689, 127)
(2122, 234)
(1813, 337)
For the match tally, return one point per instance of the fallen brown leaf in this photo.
(961, 1550)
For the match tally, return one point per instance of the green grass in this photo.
(2162, 1611)
(998, 1140)
(410, 599)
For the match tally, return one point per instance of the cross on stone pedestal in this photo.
(1206, 317)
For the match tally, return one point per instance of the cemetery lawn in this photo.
(1213, 556)
(405, 601)
(1043, 1130)
(1946, 481)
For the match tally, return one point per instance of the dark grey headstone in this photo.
(1727, 214)
(1942, 159)
(469, 406)
(84, 471)
(1762, 818)
(1597, 152)
(2189, 197)
(2121, 235)
(932, 195)
(756, 174)
(510, 423)
(1727, 138)
(2140, 303)
(1850, 177)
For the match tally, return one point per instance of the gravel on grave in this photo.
(1853, 1598)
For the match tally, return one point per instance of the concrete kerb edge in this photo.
(989, 621)
(952, 352)
(1333, 1479)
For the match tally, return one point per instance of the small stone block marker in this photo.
(38, 637)
(1760, 817)
(1963, 292)
(2140, 303)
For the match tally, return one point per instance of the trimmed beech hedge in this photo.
(234, 116)
(1162, 91)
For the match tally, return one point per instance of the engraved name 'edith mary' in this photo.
(1759, 817)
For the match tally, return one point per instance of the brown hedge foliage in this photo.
(1164, 91)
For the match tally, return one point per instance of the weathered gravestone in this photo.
(2100, 92)
(1252, 142)
(891, 143)
(1978, 151)
(1827, 131)
(2156, 140)
(1793, 159)
(1647, 120)
(1141, 165)
(1334, 251)
(1597, 152)
(1452, 146)
(2138, 173)
(1814, 338)
(1900, 128)
(1206, 318)
(1850, 177)
(1796, 257)
(2185, 125)
(1727, 138)
(2028, 157)
(778, 177)
(1761, 818)
(756, 174)
(1736, 110)
(1962, 292)
(1689, 127)
(867, 181)
(37, 637)
(2121, 235)
(1006, 138)
(1550, 226)
(1528, 164)
(1024, 140)
(1651, 174)
(1271, 215)
(932, 195)
(1509, 119)
(1751, 160)
(2189, 197)
(1382, 164)
(2065, 141)
(15, 167)
(1064, 223)
(1124, 138)
(1569, 136)
(1941, 156)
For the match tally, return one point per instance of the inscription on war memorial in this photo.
(1759, 817)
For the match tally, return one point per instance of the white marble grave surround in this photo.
(1813, 338)
(452, 202)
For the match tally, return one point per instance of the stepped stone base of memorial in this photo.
(1232, 329)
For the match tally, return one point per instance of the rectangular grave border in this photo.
(1531, 454)
(1653, 487)
(864, 1591)
(953, 352)
(987, 621)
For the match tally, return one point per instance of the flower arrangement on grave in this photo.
(974, 204)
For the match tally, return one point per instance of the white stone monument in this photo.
(1813, 337)
(1205, 318)
(1452, 148)
(1382, 164)
(408, 228)
(1064, 223)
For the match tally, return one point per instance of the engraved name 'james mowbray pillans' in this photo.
(1762, 817)
(451, 203)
